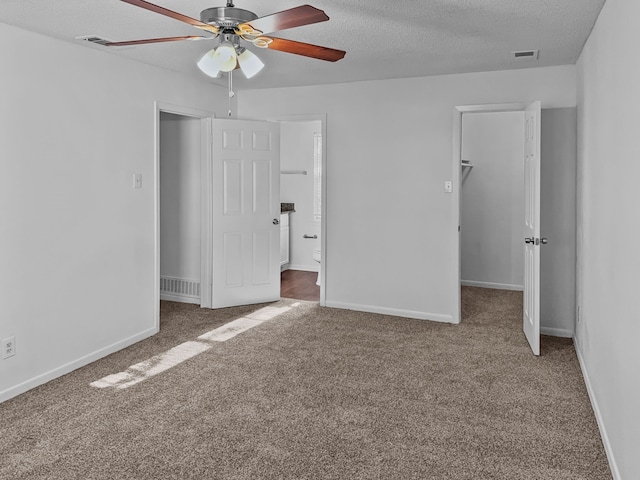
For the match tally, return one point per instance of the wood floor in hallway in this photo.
(299, 285)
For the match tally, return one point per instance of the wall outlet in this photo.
(8, 347)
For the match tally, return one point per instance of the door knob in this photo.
(276, 221)
(536, 241)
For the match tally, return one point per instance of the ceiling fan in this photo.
(231, 25)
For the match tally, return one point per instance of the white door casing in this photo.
(246, 212)
(531, 314)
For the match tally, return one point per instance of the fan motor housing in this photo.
(226, 17)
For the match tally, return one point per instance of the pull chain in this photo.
(231, 94)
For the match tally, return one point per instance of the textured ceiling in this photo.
(383, 39)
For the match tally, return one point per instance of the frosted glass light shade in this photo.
(226, 57)
(208, 64)
(249, 63)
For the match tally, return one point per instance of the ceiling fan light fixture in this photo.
(231, 25)
(250, 64)
(208, 65)
(226, 57)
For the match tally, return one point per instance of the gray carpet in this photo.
(319, 393)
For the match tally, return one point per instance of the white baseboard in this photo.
(74, 365)
(497, 286)
(435, 317)
(615, 472)
(303, 268)
(556, 332)
(174, 297)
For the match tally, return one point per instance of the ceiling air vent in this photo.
(525, 55)
(94, 39)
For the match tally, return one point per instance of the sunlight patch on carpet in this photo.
(229, 330)
(176, 355)
(267, 313)
(153, 366)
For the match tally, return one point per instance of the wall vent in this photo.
(180, 287)
(525, 55)
(94, 39)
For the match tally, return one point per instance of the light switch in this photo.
(448, 186)
(137, 180)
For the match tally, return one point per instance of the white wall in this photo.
(492, 200)
(389, 151)
(180, 178)
(76, 240)
(558, 221)
(296, 153)
(608, 326)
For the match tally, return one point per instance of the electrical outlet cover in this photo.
(8, 347)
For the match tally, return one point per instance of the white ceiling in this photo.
(383, 39)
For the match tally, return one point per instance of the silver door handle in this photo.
(536, 241)
(309, 236)
(276, 221)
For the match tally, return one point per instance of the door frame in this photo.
(206, 182)
(322, 117)
(456, 175)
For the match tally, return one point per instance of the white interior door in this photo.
(531, 316)
(246, 212)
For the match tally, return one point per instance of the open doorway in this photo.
(181, 204)
(494, 190)
(555, 204)
(531, 217)
(302, 191)
(180, 173)
(492, 212)
(492, 200)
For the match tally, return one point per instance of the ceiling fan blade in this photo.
(155, 40)
(170, 13)
(294, 17)
(306, 49)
